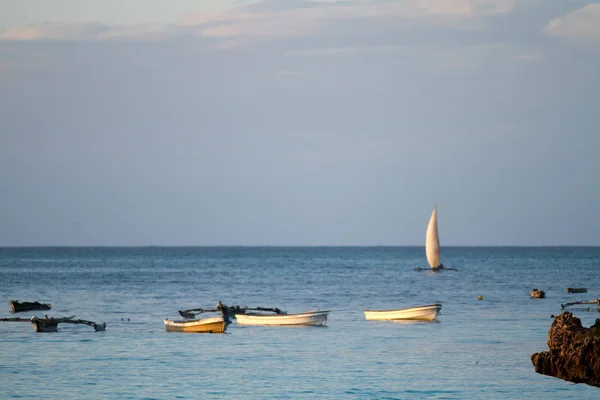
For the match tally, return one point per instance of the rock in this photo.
(574, 351)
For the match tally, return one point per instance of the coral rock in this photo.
(574, 351)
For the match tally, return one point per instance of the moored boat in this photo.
(21, 306)
(50, 324)
(421, 313)
(311, 318)
(537, 294)
(228, 312)
(596, 302)
(203, 325)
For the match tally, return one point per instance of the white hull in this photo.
(312, 318)
(421, 313)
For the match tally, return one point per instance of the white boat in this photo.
(311, 318)
(421, 313)
(432, 243)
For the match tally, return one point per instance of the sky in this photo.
(299, 122)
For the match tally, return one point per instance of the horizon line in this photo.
(283, 246)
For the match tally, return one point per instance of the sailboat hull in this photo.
(420, 313)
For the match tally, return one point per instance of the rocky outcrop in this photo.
(574, 351)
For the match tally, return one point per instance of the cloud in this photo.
(463, 8)
(262, 27)
(582, 25)
(87, 32)
(54, 32)
(440, 57)
(145, 32)
(289, 73)
(274, 19)
(527, 57)
(334, 51)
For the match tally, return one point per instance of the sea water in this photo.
(479, 349)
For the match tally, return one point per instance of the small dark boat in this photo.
(596, 302)
(48, 324)
(18, 306)
(537, 294)
(576, 290)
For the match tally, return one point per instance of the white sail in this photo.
(432, 241)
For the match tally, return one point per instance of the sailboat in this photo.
(432, 245)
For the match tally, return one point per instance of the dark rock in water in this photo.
(574, 351)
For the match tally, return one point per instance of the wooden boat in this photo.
(537, 294)
(203, 325)
(595, 301)
(48, 324)
(234, 311)
(18, 306)
(576, 290)
(421, 313)
(432, 246)
(311, 318)
(229, 313)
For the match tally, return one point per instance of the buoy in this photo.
(479, 297)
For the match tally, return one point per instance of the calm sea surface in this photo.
(479, 349)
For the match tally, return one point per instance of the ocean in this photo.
(479, 349)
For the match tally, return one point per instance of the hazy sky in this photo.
(296, 122)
